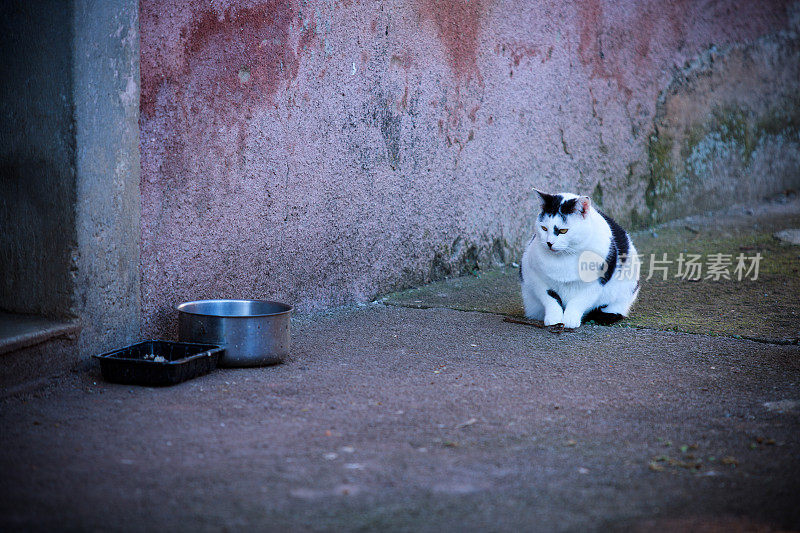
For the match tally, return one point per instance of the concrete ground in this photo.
(388, 417)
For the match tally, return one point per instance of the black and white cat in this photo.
(580, 262)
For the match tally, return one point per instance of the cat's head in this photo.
(563, 222)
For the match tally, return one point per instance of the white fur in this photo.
(557, 269)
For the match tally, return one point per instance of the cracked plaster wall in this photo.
(324, 152)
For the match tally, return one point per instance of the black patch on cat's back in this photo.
(618, 249)
(554, 295)
(618, 235)
(611, 261)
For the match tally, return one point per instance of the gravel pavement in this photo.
(392, 418)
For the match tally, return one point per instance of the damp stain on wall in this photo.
(458, 26)
(233, 56)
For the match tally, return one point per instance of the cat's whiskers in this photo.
(569, 250)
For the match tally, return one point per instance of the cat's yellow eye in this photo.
(544, 228)
(562, 231)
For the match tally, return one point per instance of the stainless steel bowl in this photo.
(253, 332)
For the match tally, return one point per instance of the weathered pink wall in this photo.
(322, 152)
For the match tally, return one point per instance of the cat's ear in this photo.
(543, 196)
(583, 205)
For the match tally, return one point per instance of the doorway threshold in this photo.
(22, 331)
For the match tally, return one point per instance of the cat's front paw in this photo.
(572, 321)
(551, 319)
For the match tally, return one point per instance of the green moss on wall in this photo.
(662, 184)
(597, 196)
(734, 125)
(728, 134)
(781, 120)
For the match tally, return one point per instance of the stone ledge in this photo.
(22, 331)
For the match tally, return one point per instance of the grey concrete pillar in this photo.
(105, 72)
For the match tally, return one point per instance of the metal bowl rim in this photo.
(288, 308)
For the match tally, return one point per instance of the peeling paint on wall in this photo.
(458, 25)
(325, 152)
(235, 55)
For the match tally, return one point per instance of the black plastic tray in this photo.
(134, 364)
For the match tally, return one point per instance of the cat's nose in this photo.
(550, 244)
